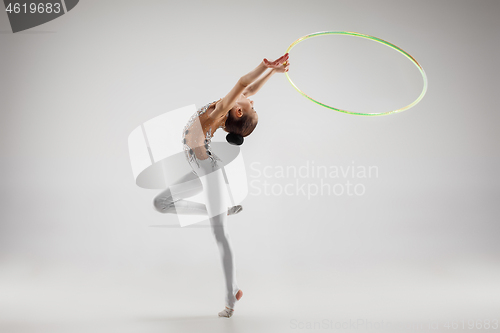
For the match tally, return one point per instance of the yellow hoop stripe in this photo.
(316, 34)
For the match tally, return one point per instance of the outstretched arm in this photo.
(255, 87)
(245, 82)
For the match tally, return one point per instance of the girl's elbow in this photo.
(243, 82)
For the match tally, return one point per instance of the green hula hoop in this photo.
(406, 54)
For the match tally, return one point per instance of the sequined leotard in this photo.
(196, 145)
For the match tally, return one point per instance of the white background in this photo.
(82, 249)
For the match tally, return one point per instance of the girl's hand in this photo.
(283, 68)
(280, 65)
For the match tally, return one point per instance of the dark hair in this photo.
(238, 128)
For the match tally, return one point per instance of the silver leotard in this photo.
(196, 145)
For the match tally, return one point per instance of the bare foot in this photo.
(228, 312)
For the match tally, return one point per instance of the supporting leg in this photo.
(216, 201)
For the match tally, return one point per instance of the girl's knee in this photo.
(157, 205)
(162, 204)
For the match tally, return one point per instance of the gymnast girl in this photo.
(234, 114)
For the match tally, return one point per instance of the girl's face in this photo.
(243, 106)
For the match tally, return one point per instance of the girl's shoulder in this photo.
(210, 106)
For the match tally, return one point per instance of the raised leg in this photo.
(172, 200)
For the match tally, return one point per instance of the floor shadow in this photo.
(178, 226)
(179, 318)
(239, 323)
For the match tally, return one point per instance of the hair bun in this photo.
(234, 139)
